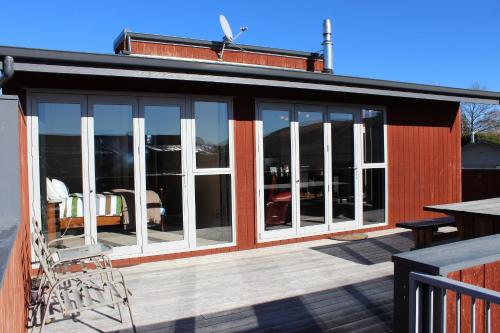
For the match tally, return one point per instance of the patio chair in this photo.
(69, 293)
(85, 258)
(81, 255)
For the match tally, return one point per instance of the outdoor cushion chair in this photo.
(69, 293)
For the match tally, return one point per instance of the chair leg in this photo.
(45, 312)
(130, 313)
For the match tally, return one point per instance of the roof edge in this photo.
(43, 56)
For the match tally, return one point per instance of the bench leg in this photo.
(422, 238)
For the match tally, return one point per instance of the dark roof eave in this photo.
(162, 65)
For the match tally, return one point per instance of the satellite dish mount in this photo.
(228, 34)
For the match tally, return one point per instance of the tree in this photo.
(479, 118)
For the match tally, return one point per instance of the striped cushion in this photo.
(107, 204)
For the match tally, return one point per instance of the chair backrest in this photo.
(42, 252)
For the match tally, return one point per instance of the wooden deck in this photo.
(307, 287)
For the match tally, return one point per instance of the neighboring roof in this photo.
(481, 155)
(65, 62)
(137, 36)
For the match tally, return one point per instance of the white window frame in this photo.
(87, 97)
(313, 108)
(358, 188)
(34, 153)
(139, 218)
(193, 171)
(160, 101)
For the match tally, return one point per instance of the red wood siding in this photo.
(245, 155)
(201, 53)
(486, 276)
(14, 290)
(423, 142)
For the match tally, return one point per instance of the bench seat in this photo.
(423, 230)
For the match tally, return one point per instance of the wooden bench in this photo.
(423, 230)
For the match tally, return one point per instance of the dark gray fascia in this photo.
(41, 56)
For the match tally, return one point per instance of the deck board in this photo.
(316, 286)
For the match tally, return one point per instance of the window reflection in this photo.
(60, 159)
(343, 193)
(311, 156)
(373, 136)
(213, 209)
(212, 134)
(373, 196)
(163, 173)
(277, 169)
(114, 174)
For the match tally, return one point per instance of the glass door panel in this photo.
(373, 196)
(62, 199)
(374, 166)
(115, 197)
(213, 209)
(164, 173)
(373, 136)
(343, 162)
(212, 134)
(277, 162)
(311, 166)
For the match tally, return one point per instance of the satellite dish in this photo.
(226, 28)
(228, 34)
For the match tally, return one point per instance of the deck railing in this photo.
(433, 291)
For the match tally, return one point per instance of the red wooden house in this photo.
(164, 150)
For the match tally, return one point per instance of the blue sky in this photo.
(451, 43)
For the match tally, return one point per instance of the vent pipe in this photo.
(7, 70)
(327, 47)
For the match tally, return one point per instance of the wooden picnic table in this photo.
(474, 218)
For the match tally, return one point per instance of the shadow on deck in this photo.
(360, 307)
(309, 287)
(370, 251)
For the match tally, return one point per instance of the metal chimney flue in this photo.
(327, 47)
